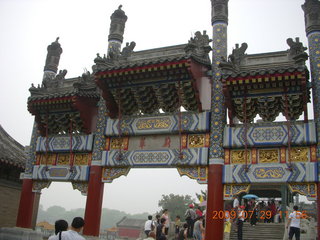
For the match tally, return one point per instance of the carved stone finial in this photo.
(117, 25)
(53, 56)
(311, 10)
(219, 11)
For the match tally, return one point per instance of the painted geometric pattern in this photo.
(217, 102)
(109, 174)
(61, 173)
(190, 122)
(307, 189)
(198, 173)
(266, 134)
(99, 138)
(156, 158)
(314, 53)
(62, 144)
(301, 172)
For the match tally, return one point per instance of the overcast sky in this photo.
(28, 27)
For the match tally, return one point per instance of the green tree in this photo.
(176, 204)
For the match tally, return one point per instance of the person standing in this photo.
(59, 227)
(198, 229)
(183, 233)
(148, 226)
(235, 203)
(199, 212)
(160, 234)
(294, 223)
(241, 218)
(253, 214)
(165, 215)
(190, 216)
(76, 227)
(177, 226)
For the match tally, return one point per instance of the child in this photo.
(177, 225)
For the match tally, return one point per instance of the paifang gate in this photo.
(126, 113)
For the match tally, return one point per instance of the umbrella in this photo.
(203, 203)
(250, 196)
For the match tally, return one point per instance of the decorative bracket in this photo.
(109, 174)
(307, 189)
(81, 186)
(37, 186)
(200, 173)
(231, 190)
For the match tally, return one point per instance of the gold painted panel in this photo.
(238, 156)
(299, 154)
(155, 123)
(48, 159)
(119, 143)
(196, 140)
(268, 155)
(81, 159)
(63, 159)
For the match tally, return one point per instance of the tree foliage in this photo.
(176, 204)
(109, 217)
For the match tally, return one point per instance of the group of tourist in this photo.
(193, 227)
(253, 211)
(62, 232)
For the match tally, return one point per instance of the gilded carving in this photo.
(268, 156)
(196, 140)
(81, 159)
(269, 173)
(238, 156)
(299, 154)
(48, 159)
(63, 159)
(162, 123)
(119, 143)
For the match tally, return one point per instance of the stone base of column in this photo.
(19, 234)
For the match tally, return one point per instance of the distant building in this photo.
(129, 228)
(110, 233)
(45, 228)
(12, 163)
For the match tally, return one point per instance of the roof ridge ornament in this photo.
(235, 59)
(198, 46)
(297, 50)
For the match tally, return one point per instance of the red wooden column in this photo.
(214, 227)
(24, 218)
(92, 214)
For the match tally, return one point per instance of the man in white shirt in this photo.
(76, 227)
(294, 223)
(148, 226)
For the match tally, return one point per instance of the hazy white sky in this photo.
(28, 27)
